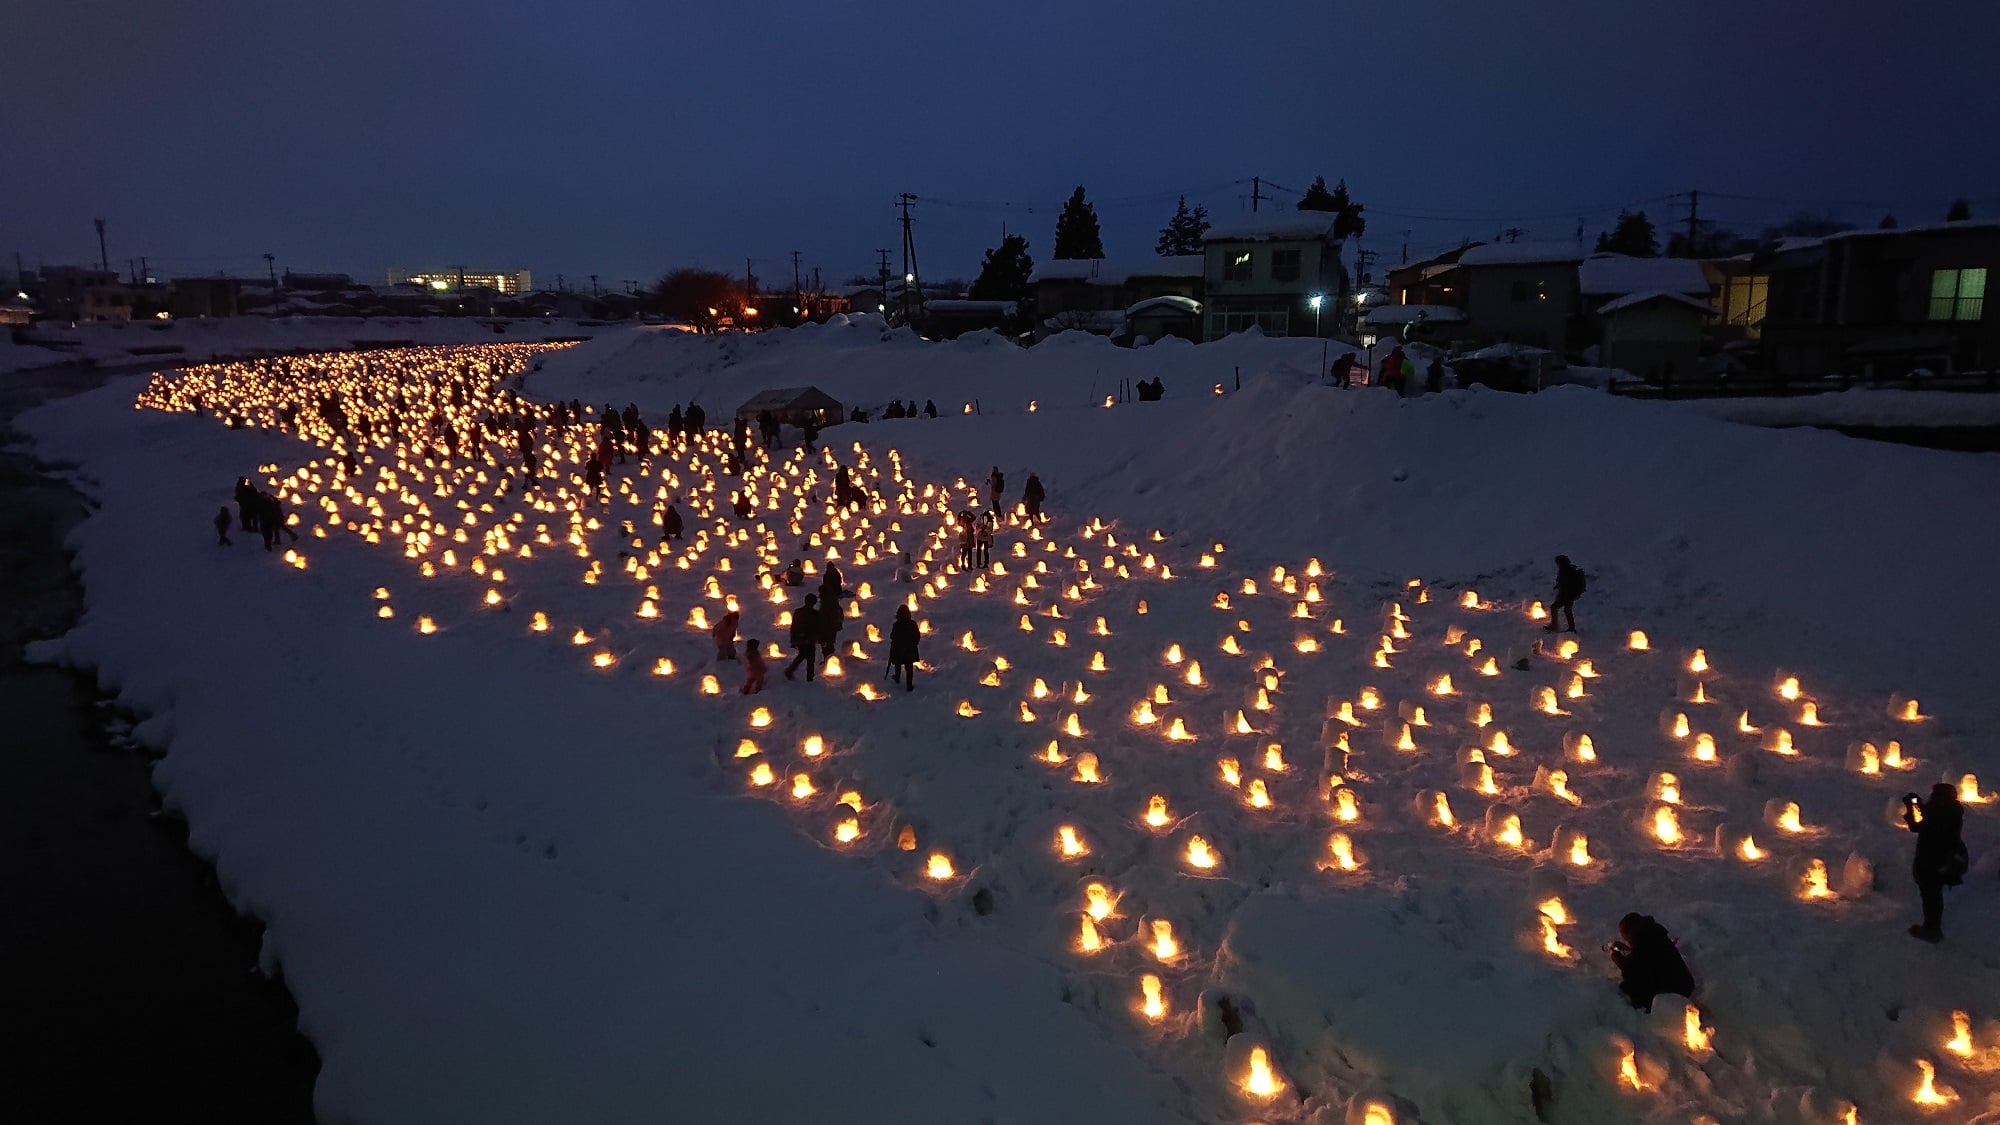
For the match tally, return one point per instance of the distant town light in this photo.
(440, 284)
(909, 278)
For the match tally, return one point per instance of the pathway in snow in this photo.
(1382, 831)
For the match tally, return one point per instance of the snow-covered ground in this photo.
(113, 343)
(1857, 407)
(509, 884)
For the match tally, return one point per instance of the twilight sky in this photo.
(623, 137)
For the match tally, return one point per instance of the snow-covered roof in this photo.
(1926, 228)
(1634, 300)
(1265, 226)
(1615, 275)
(1170, 302)
(1104, 321)
(1522, 253)
(1385, 316)
(1429, 272)
(1117, 271)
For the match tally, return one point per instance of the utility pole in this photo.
(103, 259)
(594, 290)
(1256, 191)
(883, 254)
(145, 274)
(271, 264)
(1694, 220)
(1406, 247)
(1362, 260)
(909, 253)
(798, 287)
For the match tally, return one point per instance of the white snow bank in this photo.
(1859, 406)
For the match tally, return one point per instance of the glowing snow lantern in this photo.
(966, 709)
(1960, 1043)
(1178, 732)
(1072, 726)
(1053, 755)
(1637, 641)
(1345, 806)
(1194, 673)
(1744, 725)
(1628, 1069)
(813, 746)
(1156, 811)
(579, 638)
(938, 867)
(868, 692)
(906, 839)
(540, 622)
(1152, 1004)
(1500, 745)
(1261, 1082)
(1909, 712)
(1545, 702)
(1552, 943)
(385, 613)
(1258, 797)
(1442, 686)
(1098, 901)
(1814, 883)
(1274, 758)
(1928, 1093)
(1781, 743)
(1788, 688)
(425, 625)
(710, 685)
(1086, 769)
(1704, 747)
(1199, 854)
(602, 660)
(1748, 851)
(1693, 1034)
(1579, 850)
(1340, 847)
(1680, 727)
(1087, 939)
(1809, 715)
(1069, 843)
(847, 831)
(1666, 825)
(802, 787)
(761, 775)
(760, 718)
(1165, 948)
(1441, 812)
(1173, 654)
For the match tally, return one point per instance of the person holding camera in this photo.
(1941, 859)
(1648, 961)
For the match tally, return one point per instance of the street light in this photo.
(1316, 300)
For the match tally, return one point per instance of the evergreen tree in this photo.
(1183, 233)
(1888, 223)
(1003, 276)
(1960, 211)
(1632, 234)
(1350, 224)
(1077, 235)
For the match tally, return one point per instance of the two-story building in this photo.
(1277, 271)
(1876, 301)
(1522, 292)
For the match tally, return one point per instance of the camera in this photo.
(1911, 799)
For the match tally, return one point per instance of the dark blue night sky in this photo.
(623, 138)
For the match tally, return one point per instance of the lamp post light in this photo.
(1316, 300)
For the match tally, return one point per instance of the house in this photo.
(1092, 294)
(1157, 318)
(1655, 334)
(1278, 271)
(1522, 292)
(1873, 301)
(195, 297)
(1432, 281)
(1648, 316)
(1406, 322)
(79, 293)
(793, 406)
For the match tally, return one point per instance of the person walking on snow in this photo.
(1570, 585)
(753, 667)
(995, 485)
(1032, 495)
(904, 636)
(965, 540)
(982, 538)
(1941, 860)
(725, 635)
(805, 637)
(246, 503)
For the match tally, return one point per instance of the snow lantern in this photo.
(1200, 855)
(1260, 1081)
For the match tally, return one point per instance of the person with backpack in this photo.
(805, 637)
(904, 636)
(724, 634)
(1648, 962)
(1570, 585)
(996, 484)
(1032, 495)
(1941, 860)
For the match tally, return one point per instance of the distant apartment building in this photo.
(81, 293)
(507, 282)
(1278, 272)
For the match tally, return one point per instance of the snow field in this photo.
(1420, 982)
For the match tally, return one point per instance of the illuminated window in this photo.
(1958, 294)
(1744, 298)
(1284, 265)
(1237, 268)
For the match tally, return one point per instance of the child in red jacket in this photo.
(753, 667)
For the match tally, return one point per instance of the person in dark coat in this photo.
(222, 526)
(246, 503)
(830, 619)
(1648, 962)
(674, 420)
(670, 522)
(1032, 495)
(904, 637)
(1941, 859)
(1433, 377)
(697, 419)
(753, 667)
(996, 484)
(808, 437)
(795, 574)
(805, 637)
(965, 537)
(767, 425)
(725, 635)
(593, 475)
(272, 512)
(743, 505)
(930, 409)
(1569, 587)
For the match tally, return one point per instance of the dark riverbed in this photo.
(130, 989)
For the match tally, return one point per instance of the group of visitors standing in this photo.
(260, 512)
